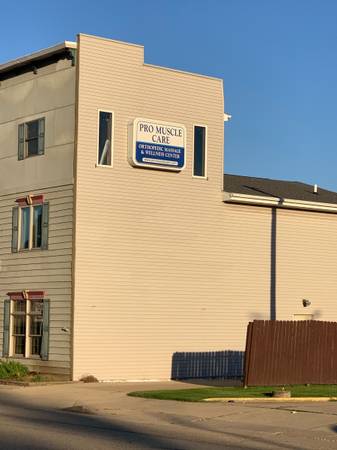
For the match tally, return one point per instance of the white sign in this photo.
(158, 145)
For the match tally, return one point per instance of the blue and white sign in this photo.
(158, 145)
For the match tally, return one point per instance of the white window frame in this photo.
(28, 343)
(31, 225)
(203, 177)
(106, 166)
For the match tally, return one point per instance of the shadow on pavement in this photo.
(27, 427)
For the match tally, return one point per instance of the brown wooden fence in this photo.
(290, 352)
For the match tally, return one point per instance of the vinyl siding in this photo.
(158, 267)
(49, 270)
(51, 94)
(306, 264)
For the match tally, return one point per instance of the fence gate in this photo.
(290, 352)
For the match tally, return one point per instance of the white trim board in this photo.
(232, 197)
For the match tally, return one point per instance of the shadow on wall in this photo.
(226, 364)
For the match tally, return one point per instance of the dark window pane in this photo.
(36, 318)
(25, 225)
(19, 306)
(19, 325)
(32, 138)
(19, 345)
(36, 326)
(199, 151)
(32, 147)
(36, 307)
(36, 345)
(32, 129)
(37, 226)
(104, 144)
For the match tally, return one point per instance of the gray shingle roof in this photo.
(266, 187)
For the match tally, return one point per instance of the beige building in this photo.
(122, 245)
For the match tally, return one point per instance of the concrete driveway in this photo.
(38, 418)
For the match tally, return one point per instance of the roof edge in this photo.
(116, 41)
(49, 51)
(183, 72)
(263, 178)
(278, 202)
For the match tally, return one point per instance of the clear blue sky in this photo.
(278, 60)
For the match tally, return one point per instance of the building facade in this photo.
(121, 244)
(37, 98)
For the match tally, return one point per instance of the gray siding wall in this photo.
(50, 94)
(48, 270)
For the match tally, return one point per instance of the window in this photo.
(19, 327)
(31, 227)
(26, 326)
(31, 138)
(30, 224)
(105, 139)
(199, 155)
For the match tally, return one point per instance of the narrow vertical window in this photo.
(19, 328)
(37, 226)
(36, 327)
(199, 159)
(105, 139)
(32, 138)
(25, 228)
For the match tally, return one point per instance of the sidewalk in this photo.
(110, 412)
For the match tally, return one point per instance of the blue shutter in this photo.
(6, 319)
(41, 137)
(45, 226)
(21, 141)
(15, 228)
(45, 331)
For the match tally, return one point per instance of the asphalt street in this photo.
(101, 416)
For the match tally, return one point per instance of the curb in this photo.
(37, 383)
(270, 399)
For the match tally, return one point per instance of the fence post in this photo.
(247, 353)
